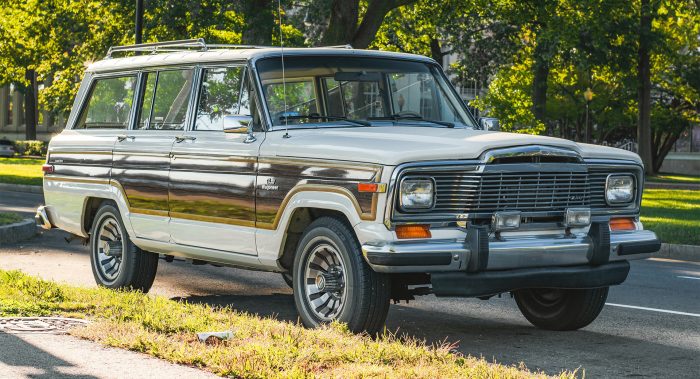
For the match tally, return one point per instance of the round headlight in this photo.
(417, 193)
(619, 189)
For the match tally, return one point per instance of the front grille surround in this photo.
(474, 191)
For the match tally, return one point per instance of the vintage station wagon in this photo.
(359, 175)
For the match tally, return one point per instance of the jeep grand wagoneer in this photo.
(358, 175)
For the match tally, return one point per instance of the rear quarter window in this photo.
(109, 104)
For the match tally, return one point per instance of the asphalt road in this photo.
(649, 328)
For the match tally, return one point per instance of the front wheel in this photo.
(333, 282)
(116, 262)
(561, 309)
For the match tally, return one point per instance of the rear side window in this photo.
(218, 97)
(166, 97)
(109, 104)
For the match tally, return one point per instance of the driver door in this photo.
(213, 172)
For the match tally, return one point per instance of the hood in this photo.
(401, 144)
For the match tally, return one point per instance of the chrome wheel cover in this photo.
(324, 282)
(108, 248)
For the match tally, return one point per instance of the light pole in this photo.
(588, 96)
(138, 29)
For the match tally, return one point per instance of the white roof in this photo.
(232, 55)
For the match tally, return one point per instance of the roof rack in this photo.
(190, 44)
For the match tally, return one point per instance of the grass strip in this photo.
(262, 347)
(673, 214)
(7, 218)
(21, 171)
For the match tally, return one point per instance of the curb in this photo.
(21, 188)
(679, 252)
(18, 231)
(676, 186)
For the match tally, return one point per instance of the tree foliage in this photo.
(536, 57)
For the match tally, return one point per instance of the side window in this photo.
(109, 104)
(166, 97)
(218, 97)
(249, 106)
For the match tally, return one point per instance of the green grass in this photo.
(674, 178)
(7, 218)
(262, 347)
(21, 171)
(673, 214)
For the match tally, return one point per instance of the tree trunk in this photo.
(436, 51)
(539, 82)
(345, 14)
(343, 22)
(644, 90)
(259, 22)
(30, 110)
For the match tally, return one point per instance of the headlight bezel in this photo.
(413, 208)
(633, 190)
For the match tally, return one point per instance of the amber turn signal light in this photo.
(622, 223)
(413, 231)
(371, 187)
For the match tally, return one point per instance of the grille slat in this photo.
(530, 191)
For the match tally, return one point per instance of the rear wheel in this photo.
(116, 262)
(333, 282)
(561, 309)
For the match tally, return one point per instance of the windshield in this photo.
(358, 91)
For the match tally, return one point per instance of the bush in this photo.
(37, 148)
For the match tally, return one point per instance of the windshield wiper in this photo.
(329, 118)
(398, 117)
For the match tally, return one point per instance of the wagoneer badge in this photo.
(270, 185)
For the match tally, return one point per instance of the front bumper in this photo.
(471, 254)
(481, 266)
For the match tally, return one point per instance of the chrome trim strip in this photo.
(529, 151)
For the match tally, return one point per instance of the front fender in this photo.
(269, 240)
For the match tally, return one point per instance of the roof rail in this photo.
(347, 46)
(190, 44)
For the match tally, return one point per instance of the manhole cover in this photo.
(55, 325)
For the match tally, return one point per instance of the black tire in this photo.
(561, 309)
(288, 279)
(133, 269)
(365, 293)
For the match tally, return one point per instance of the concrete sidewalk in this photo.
(32, 355)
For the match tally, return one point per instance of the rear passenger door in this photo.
(142, 155)
(212, 176)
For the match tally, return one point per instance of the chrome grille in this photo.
(489, 192)
(597, 180)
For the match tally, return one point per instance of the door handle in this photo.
(122, 137)
(179, 139)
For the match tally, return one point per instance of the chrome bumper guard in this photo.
(42, 218)
(478, 253)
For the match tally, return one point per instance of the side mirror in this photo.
(489, 123)
(237, 123)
